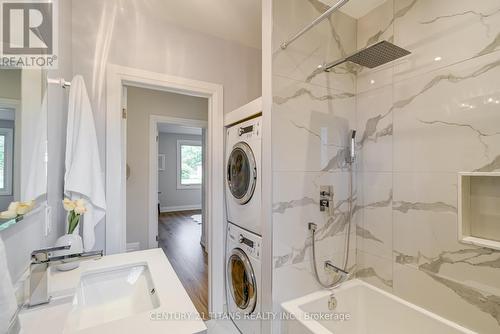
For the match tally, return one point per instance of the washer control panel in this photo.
(248, 242)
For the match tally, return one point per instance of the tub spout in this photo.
(344, 275)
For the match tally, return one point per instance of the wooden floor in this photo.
(179, 237)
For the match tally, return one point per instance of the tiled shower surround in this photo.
(420, 121)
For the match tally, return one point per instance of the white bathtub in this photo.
(362, 309)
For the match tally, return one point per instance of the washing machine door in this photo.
(241, 173)
(241, 281)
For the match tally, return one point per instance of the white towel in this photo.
(84, 178)
(8, 303)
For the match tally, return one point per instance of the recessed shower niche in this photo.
(479, 209)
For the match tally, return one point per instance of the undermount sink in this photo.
(120, 293)
(112, 294)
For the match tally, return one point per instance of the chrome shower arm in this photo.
(329, 66)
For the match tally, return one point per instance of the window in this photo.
(189, 164)
(6, 157)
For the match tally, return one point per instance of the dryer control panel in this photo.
(248, 242)
(247, 130)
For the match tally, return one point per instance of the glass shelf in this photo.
(6, 223)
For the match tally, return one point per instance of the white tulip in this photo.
(23, 208)
(13, 206)
(80, 202)
(68, 204)
(8, 215)
(80, 210)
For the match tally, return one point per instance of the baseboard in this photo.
(133, 247)
(180, 208)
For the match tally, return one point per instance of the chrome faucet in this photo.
(344, 275)
(40, 263)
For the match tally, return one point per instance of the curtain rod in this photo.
(323, 16)
(63, 83)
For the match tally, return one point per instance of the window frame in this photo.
(181, 143)
(7, 190)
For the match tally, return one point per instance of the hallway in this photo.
(179, 237)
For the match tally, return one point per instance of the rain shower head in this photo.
(373, 56)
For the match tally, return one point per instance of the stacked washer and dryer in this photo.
(243, 203)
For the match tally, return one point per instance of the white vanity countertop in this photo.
(172, 295)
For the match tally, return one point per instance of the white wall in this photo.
(141, 104)
(170, 196)
(10, 84)
(129, 33)
(29, 234)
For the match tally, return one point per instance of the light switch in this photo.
(48, 220)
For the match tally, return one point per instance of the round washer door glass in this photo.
(241, 173)
(242, 281)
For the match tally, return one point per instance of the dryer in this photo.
(243, 279)
(243, 174)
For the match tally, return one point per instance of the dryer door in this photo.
(241, 281)
(241, 173)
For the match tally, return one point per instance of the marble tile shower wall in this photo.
(313, 113)
(422, 121)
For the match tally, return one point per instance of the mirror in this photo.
(23, 142)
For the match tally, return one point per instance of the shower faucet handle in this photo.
(325, 196)
(326, 192)
(324, 204)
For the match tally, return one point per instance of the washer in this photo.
(243, 279)
(243, 175)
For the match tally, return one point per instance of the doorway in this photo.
(182, 208)
(119, 81)
(174, 166)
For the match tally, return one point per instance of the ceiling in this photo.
(177, 129)
(357, 8)
(234, 20)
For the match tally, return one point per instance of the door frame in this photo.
(15, 104)
(154, 120)
(116, 135)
